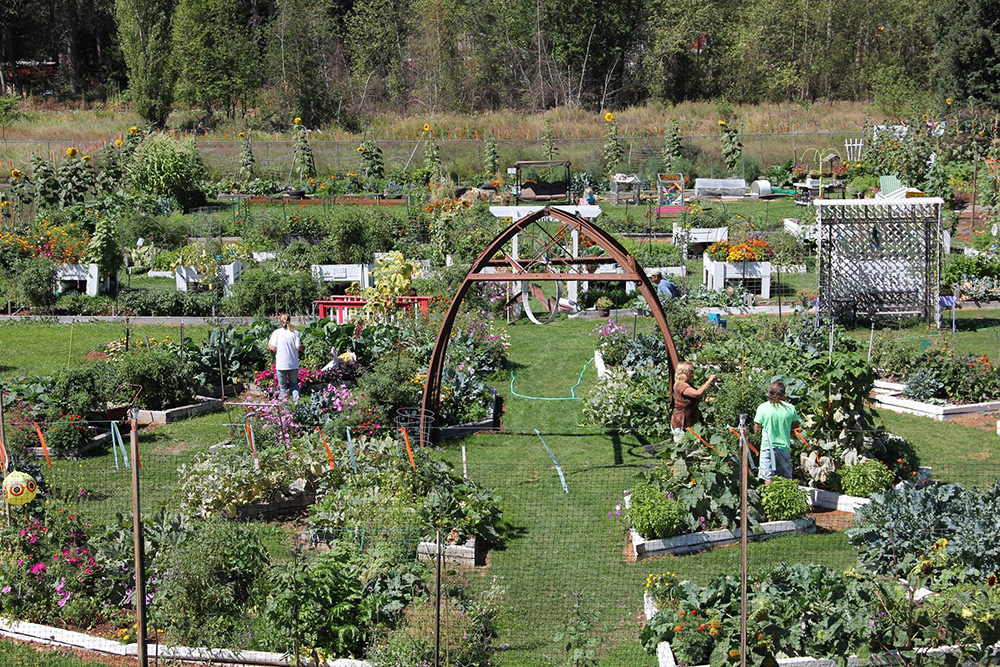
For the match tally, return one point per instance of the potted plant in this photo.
(603, 306)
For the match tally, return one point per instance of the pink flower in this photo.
(38, 567)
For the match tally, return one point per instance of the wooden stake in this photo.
(139, 546)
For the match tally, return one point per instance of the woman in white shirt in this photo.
(286, 343)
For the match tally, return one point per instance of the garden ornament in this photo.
(19, 488)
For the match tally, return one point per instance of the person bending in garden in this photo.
(776, 419)
(664, 286)
(286, 344)
(687, 399)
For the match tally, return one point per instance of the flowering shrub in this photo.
(753, 250)
(66, 434)
(612, 339)
(47, 568)
(267, 379)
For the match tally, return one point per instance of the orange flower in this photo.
(678, 628)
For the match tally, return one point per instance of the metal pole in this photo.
(743, 540)
(437, 606)
(975, 175)
(222, 379)
(139, 547)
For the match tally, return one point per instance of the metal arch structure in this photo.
(541, 267)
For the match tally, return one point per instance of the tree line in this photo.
(340, 60)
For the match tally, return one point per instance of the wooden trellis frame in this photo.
(879, 257)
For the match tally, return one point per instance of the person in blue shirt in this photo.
(663, 286)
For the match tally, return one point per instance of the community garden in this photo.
(544, 513)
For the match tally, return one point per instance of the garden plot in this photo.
(709, 539)
(892, 396)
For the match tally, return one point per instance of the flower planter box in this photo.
(471, 553)
(694, 542)
(275, 508)
(50, 636)
(888, 395)
(716, 274)
(493, 423)
(202, 405)
(831, 500)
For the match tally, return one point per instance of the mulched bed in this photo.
(832, 520)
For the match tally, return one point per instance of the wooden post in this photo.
(437, 606)
(139, 547)
(975, 174)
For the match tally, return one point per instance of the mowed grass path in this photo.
(563, 543)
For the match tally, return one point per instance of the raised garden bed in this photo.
(694, 542)
(94, 445)
(202, 405)
(831, 500)
(889, 395)
(471, 552)
(709, 539)
(275, 508)
(50, 636)
(493, 423)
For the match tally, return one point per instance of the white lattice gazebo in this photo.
(879, 257)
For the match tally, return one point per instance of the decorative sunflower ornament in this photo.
(19, 488)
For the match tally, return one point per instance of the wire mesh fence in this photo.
(336, 575)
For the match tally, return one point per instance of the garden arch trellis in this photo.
(541, 266)
(879, 257)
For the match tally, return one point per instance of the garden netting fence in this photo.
(563, 582)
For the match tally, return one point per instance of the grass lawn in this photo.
(40, 347)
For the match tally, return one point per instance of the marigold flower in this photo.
(734, 654)
(609, 117)
(947, 101)
(678, 628)
(713, 632)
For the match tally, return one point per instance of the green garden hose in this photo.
(572, 390)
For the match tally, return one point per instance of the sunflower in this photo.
(118, 143)
(609, 117)
(297, 121)
(71, 151)
(427, 127)
(947, 101)
(242, 135)
(722, 123)
(85, 158)
(991, 580)
(16, 173)
(361, 149)
(133, 129)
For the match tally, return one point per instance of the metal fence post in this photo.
(139, 546)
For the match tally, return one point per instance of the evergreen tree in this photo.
(144, 36)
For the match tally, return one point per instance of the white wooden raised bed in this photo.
(717, 274)
(889, 395)
(694, 542)
(50, 636)
(202, 405)
(187, 277)
(470, 552)
(831, 500)
(69, 276)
